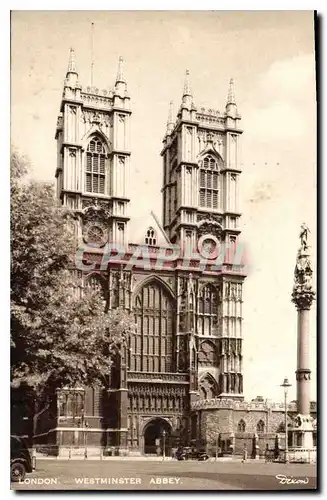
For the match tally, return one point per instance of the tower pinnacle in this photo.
(231, 93)
(187, 100)
(187, 85)
(71, 80)
(170, 122)
(72, 62)
(120, 73)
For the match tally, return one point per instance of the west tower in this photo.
(201, 172)
(93, 151)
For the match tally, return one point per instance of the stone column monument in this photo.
(303, 296)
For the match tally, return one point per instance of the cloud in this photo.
(284, 97)
(289, 79)
(279, 121)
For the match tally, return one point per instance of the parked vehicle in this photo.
(187, 453)
(180, 453)
(20, 459)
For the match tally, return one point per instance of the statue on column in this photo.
(304, 236)
(303, 293)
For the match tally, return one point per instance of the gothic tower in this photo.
(201, 156)
(93, 150)
(201, 171)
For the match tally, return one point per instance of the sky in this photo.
(270, 55)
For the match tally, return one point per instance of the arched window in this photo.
(241, 426)
(209, 190)
(150, 237)
(208, 387)
(152, 349)
(95, 169)
(208, 311)
(207, 355)
(261, 426)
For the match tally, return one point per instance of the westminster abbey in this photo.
(181, 376)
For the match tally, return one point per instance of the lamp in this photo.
(286, 385)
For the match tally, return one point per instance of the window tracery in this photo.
(95, 171)
(209, 183)
(150, 237)
(152, 349)
(241, 426)
(208, 311)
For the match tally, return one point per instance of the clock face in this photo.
(209, 247)
(95, 234)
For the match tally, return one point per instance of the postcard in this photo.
(163, 250)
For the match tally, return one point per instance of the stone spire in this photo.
(71, 79)
(231, 93)
(120, 85)
(231, 108)
(170, 121)
(187, 85)
(72, 62)
(120, 73)
(187, 100)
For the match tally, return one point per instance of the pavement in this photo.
(169, 475)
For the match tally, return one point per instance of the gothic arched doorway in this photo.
(157, 435)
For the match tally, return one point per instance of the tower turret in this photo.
(71, 79)
(187, 98)
(231, 107)
(170, 121)
(187, 108)
(120, 84)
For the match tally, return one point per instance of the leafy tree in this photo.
(60, 333)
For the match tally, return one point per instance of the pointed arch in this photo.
(96, 131)
(208, 386)
(156, 280)
(96, 164)
(152, 344)
(150, 237)
(207, 354)
(210, 149)
(261, 426)
(241, 426)
(209, 180)
(208, 309)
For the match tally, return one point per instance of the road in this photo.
(169, 475)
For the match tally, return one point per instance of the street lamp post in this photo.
(286, 385)
(164, 444)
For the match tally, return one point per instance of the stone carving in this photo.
(303, 293)
(95, 224)
(103, 119)
(160, 377)
(95, 211)
(304, 236)
(92, 99)
(190, 284)
(240, 405)
(209, 218)
(208, 226)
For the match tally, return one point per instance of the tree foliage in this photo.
(60, 332)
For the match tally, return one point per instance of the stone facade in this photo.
(180, 379)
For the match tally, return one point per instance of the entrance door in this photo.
(157, 437)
